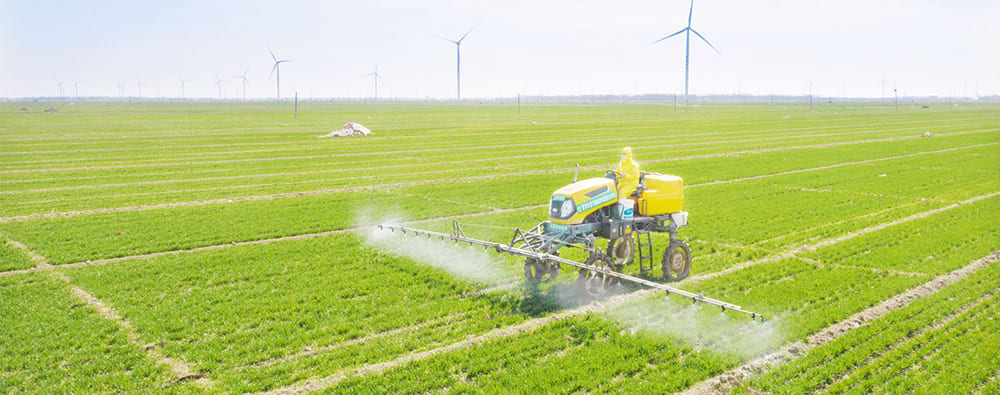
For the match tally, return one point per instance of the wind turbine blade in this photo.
(470, 31)
(706, 41)
(690, 12)
(272, 53)
(286, 60)
(678, 32)
(272, 70)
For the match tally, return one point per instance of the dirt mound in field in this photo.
(350, 129)
(24, 109)
(51, 109)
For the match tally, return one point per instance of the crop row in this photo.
(860, 359)
(933, 245)
(238, 161)
(240, 313)
(118, 125)
(738, 213)
(587, 131)
(702, 169)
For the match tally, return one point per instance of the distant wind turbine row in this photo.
(276, 66)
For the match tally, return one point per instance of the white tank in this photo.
(626, 208)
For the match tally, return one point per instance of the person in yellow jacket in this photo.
(629, 170)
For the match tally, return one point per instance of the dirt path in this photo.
(527, 326)
(456, 179)
(726, 381)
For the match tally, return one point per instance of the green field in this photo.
(224, 247)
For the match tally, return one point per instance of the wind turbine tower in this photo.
(276, 71)
(687, 49)
(244, 78)
(458, 59)
(376, 77)
(183, 81)
(138, 85)
(218, 83)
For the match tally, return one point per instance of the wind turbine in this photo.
(138, 84)
(183, 81)
(244, 78)
(218, 83)
(458, 59)
(376, 78)
(687, 48)
(276, 70)
(61, 89)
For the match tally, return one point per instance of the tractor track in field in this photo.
(484, 177)
(452, 149)
(726, 381)
(617, 300)
(376, 168)
(415, 136)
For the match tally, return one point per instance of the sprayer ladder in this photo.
(645, 248)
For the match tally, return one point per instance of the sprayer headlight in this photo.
(562, 207)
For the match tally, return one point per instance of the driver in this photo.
(629, 170)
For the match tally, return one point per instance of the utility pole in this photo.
(675, 102)
(296, 104)
(895, 93)
(810, 96)
(518, 103)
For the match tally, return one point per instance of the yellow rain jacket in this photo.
(630, 174)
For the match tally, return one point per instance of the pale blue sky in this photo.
(532, 47)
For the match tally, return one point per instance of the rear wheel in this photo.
(677, 261)
(593, 282)
(622, 250)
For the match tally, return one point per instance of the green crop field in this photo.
(225, 247)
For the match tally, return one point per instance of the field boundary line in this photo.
(396, 166)
(181, 370)
(726, 381)
(527, 326)
(414, 183)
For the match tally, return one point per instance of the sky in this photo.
(847, 48)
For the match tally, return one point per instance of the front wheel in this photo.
(677, 261)
(622, 250)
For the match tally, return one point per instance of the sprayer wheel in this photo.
(537, 271)
(677, 261)
(622, 250)
(592, 282)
